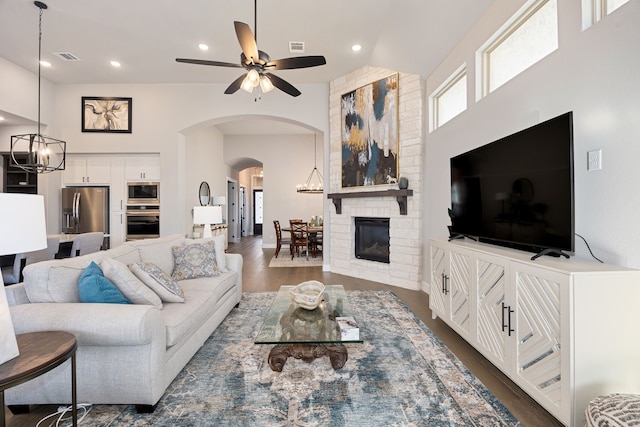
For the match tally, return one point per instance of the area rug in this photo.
(285, 260)
(402, 375)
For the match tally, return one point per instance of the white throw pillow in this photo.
(127, 282)
(151, 275)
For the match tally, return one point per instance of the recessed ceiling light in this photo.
(115, 63)
(1, 118)
(45, 63)
(203, 46)
(356, 47)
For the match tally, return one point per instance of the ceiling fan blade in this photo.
(283, 85)
(205, 62)
(233, 87)
(247, 41)
(296, 62)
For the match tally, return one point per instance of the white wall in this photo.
(202, 151)
(593, 74)
(19, 95)
(287, 161)
(163, 117)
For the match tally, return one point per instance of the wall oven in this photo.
(142, 222)
(143, 193)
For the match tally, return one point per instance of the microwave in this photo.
(143, 193)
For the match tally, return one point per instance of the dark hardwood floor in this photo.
(257, 276)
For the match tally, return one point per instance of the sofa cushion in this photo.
(57, 280)
(182, 319)
(195, 260)
(125, 253)
(94, 287)
(130, 286)
(158, 251)
(219, 241)
(158, 281)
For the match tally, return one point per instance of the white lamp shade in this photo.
(22, 229)
(207, 215)
(22, 223)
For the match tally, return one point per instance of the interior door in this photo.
(257, 211)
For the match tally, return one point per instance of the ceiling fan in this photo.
(258, 64)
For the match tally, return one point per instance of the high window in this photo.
(450, 99)
(595, 10)
(530, 35)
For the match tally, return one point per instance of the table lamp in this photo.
(22, 229)
(207, 215)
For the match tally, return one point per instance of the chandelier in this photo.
(313, 185)
(43, 154)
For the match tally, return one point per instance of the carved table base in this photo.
(308, 352)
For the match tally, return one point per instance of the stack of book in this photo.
(349, 330)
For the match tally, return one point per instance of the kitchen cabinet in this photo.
(117, 202)
(81, 170)
(142, 168)
(562, 329)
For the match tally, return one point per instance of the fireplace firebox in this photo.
(372, 239)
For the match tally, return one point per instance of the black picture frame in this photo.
(106, 114)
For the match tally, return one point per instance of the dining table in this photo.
(314, 230)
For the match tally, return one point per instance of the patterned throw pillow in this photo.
(94, 287)
(195, 260)
(151, 275)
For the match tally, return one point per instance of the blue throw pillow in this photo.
(94, 287)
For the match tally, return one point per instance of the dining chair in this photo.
(87, 243)
(299, 237)
(279, 240)
(315, 242)
(12, 274)
(53, 243)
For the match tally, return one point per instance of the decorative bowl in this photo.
(308, 295)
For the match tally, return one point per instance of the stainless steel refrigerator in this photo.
(85, 209)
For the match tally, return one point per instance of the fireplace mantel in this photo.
(400, 195)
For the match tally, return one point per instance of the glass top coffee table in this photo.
(307, 334)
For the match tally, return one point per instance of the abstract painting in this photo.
(101, 114)
(370, 134)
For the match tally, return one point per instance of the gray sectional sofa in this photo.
(127, 353)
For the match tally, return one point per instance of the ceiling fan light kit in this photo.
(258, 64)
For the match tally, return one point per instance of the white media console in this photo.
(564, 330)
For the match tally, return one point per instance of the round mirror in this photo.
(205, 193)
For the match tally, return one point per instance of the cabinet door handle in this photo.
(510, 328)
(504, 326)
(446, 285)
(507, 326)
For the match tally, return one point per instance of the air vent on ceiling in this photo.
(66, 56)
(296, 47)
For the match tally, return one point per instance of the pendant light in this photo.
(313, 185)
(43, 154)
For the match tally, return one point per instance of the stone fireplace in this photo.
(371, 240)
(403, 268)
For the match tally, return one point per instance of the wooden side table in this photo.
(40, 352)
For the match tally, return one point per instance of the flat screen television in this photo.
(518, 191)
